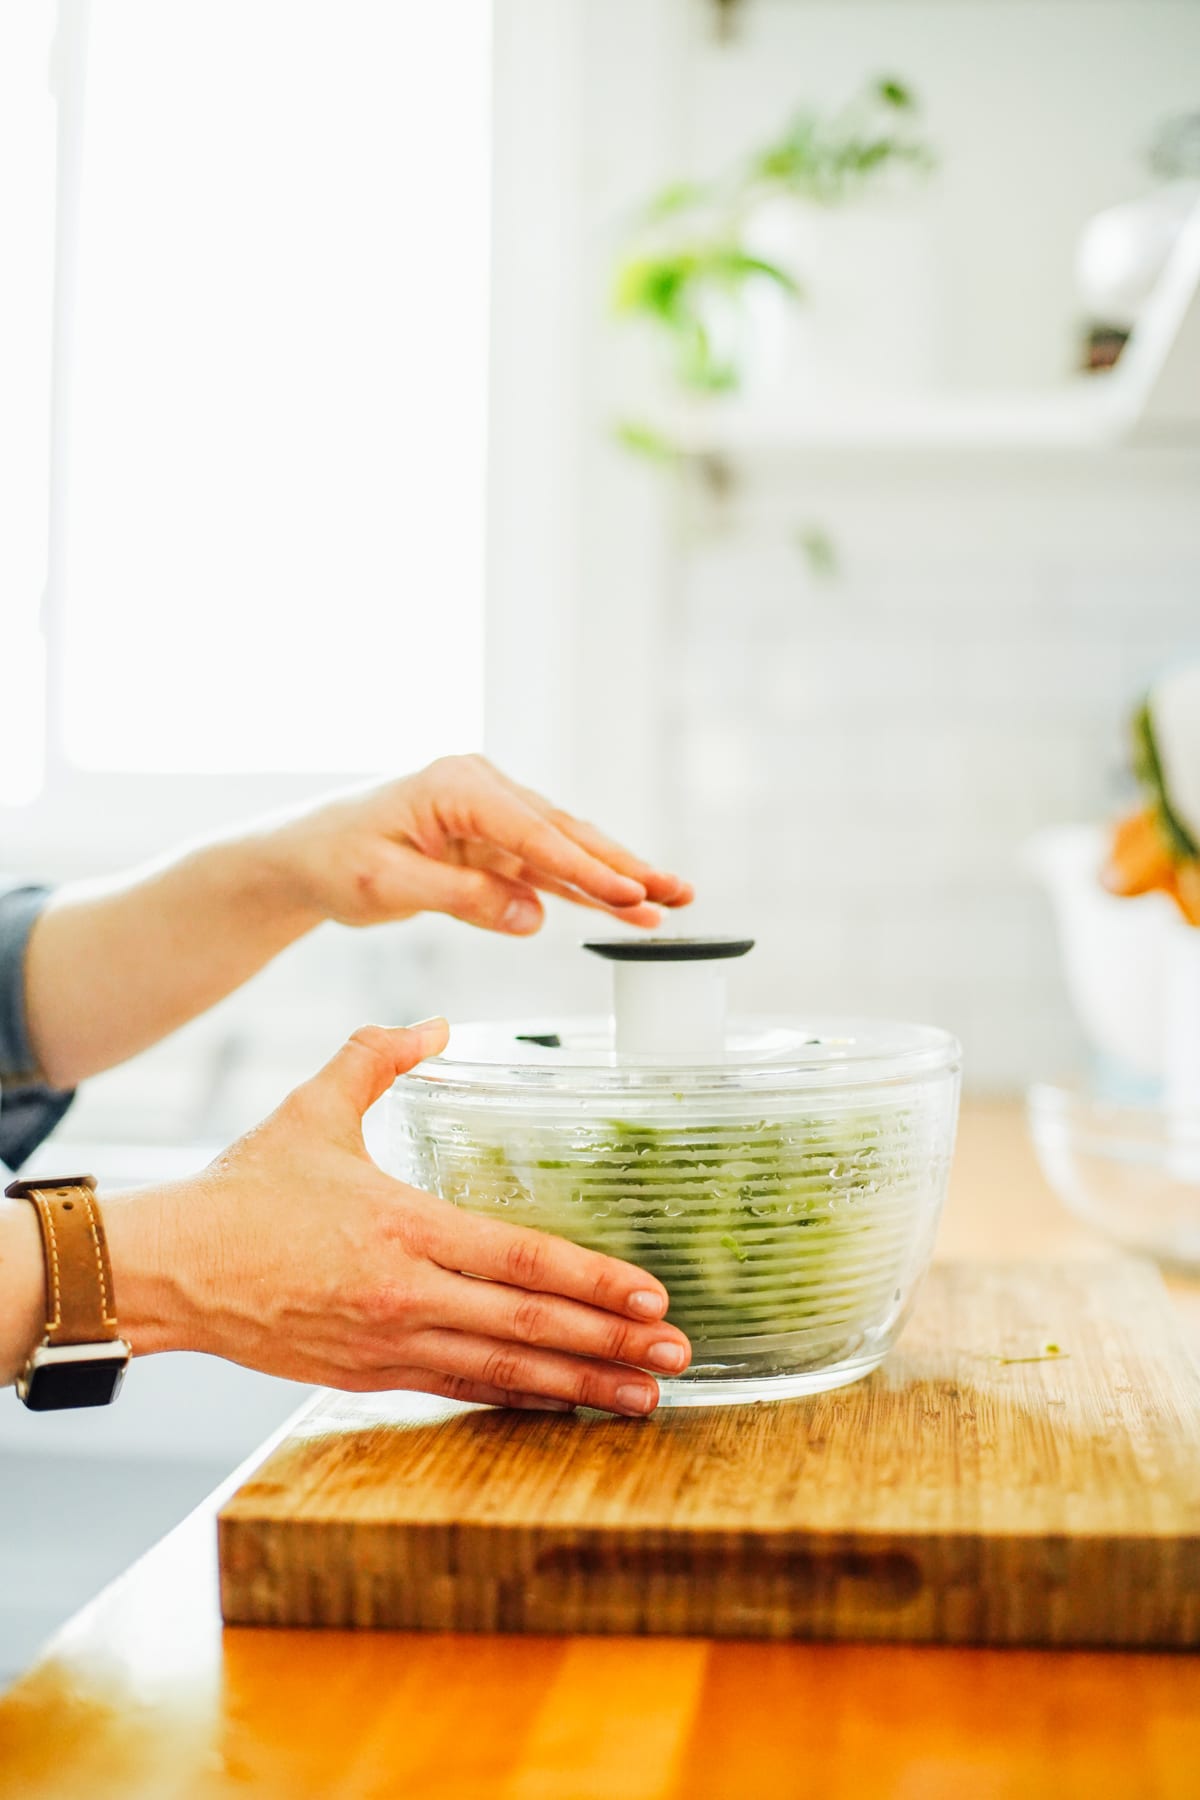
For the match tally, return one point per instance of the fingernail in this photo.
(631, 1399)
(521, 915)
(427, 1027)
(647, 1305)
(666, 1356)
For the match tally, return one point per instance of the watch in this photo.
(82, 1358)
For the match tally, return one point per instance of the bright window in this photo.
(278, 413)
(26, 267)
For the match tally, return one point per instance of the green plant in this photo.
(691, 263)
(830, 160)
(675, 289)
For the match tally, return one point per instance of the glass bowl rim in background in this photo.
(1134, 1125)
(1137, 1141)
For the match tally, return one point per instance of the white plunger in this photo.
(669, 995)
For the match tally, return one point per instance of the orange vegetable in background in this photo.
(1141, 862)
(1187, 891)
(1139, 859)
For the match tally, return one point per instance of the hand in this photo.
(295, 1254)
(461, 838)
(112, 967)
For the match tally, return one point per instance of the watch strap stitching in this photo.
(45, 1213)
(94, 1227)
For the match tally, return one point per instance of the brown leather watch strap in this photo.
(80, 1308)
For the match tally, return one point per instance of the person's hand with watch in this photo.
(293, 1253)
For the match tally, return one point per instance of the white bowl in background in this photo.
(1132, 963)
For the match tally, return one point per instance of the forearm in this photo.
(111, 968)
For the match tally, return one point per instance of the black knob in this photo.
(655, 949)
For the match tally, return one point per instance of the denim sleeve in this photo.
(29, 1110)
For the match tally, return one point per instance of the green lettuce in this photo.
(781, 1241)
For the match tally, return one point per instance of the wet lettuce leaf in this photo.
(756, 1228)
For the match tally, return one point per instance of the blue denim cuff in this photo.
(29, 1110)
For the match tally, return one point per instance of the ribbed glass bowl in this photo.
(1132, 1172)
(787, 1197)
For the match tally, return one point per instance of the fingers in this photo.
(478, 896)
(534, 1260)
(501, 862)
(493, 889)
(660, 886)
(544, 846)
(450, 1387)
(469, 803)
(547, 1321)
(644, 916)
(368, 1063)
(664, 888)
(491, 809)
(549, 1374)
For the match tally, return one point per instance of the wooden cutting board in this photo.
(976, 1489)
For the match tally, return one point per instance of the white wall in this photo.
(851, 766)
(857, 762)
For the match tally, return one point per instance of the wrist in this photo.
(263, 872)
(154, 1284)
(277, 877)
(22, 1287)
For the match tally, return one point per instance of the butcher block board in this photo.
(978, 1488)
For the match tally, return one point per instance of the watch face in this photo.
(53, 1386)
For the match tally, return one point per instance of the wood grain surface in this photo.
(1024, 1469)
(144, 1697)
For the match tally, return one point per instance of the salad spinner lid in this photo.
(579, 1054)
(668, 1031)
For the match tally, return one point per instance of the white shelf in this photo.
(1067, 420)
(1151, 398)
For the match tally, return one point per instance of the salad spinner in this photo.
(782, 1178)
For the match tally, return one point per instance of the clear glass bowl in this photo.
(1132, 1172)
(787, 1197)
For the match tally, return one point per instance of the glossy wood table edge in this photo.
(144, 1695)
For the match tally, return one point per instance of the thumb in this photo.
(368, 1062)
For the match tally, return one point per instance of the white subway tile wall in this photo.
(855, 762)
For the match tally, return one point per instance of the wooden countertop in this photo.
(143, 1695)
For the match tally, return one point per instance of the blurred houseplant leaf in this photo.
(691, 265)
(676, 289)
